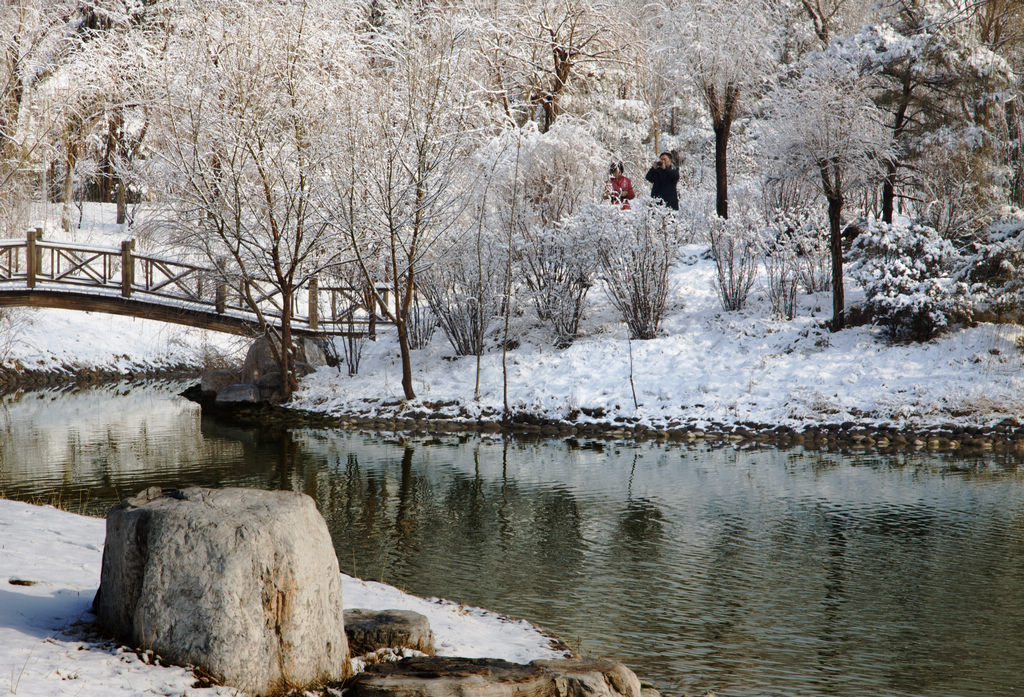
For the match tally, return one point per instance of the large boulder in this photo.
(214, 380)
(243, 583)
(259, 360)
(369, 630)
(490, 677)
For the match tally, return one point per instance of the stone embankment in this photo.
(1005, 437)
(17, 378)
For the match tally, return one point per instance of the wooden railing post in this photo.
(221, 300)
(314, 306)
(32, 257)
(127, 268)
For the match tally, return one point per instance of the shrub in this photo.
(557, 263)
(635, 249)
(735, 249)
(795, 252)
(904, 270)
(464, 290)
(994, 270)
(782, 271)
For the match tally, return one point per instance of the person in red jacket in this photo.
(618, 189)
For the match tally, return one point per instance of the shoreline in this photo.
(425, 418)
(51, 568)
(13, 380)
(1004, 438)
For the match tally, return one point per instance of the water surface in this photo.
(746, 572)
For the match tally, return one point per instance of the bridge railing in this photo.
(37, 262)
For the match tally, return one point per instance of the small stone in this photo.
(369, 630)
(489, 677)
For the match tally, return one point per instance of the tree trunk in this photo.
(68, 193)
(891, 167)
(889, 191)
(286, 356)
(722, 128)
(122, 203)
(835, 237)
(403, 346)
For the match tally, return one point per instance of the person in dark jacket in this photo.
(664, 176)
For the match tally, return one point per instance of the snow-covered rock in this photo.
(241, 582)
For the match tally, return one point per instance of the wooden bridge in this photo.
(41, 273)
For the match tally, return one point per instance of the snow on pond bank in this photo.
(49, 571)
(58, 340)
(708, 366)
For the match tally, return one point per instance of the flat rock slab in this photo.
(239, 394)
(243, 583)
(369, 630)
(490, 677)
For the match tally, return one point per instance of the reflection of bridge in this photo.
(40, 273)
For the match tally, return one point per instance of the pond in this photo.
(746, 572)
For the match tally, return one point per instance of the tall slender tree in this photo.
(245, 160)
(727, 51)
(825, 129)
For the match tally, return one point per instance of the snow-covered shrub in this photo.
(545, 178)
(13, 321)
(635, 249)
(995, 270)
(464, 290)
(734, 245)
(795, 252)
(779, 255)
(558, 263)
(904, 269)
(807, 230)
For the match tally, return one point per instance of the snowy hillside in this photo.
(708, 365)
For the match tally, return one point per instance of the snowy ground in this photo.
(708, 366)
(44, 652)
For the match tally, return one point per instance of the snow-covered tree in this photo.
(542, 53)
(825, 129)
(413, 144)
(825, 19)
(34, 41)
(247, 123)
(727, 51)
(942, 91)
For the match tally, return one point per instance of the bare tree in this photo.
(411, 146)
(246, 158)
(726, 49)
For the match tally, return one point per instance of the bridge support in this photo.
(33, 256)
(127, 268)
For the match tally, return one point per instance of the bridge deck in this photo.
(47, 274)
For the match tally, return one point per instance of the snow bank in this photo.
(49, 571)
(708, 366)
